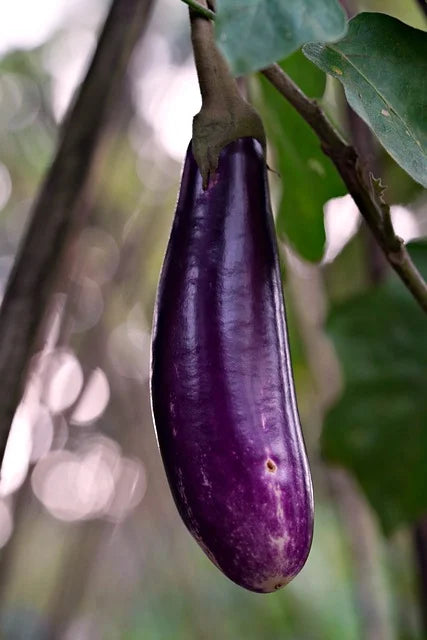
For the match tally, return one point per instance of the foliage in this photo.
(307, 177)
(378, 427)
(382, 64)
(255, 33)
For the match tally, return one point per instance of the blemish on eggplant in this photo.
(279, 585)
(271, 466)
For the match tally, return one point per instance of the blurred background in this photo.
(91, 543)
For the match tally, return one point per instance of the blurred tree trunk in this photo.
(57, 214)
(42, 265)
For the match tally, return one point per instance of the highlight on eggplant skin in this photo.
(222, 389)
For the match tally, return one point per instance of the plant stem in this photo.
(57, 213)
(360, 186)
(200, 9)
(225, 115)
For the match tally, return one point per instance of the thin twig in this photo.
(200, 9)
(364, 190)
(57, 214)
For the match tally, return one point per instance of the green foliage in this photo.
(382, 65)
(378, 427)
(254, 33)
(308, 176)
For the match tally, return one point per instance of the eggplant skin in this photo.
(222, 390)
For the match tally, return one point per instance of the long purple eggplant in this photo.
(222, 389)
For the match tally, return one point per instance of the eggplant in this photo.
(222, 390)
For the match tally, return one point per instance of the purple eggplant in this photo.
(222, 390)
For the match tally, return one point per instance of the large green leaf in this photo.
(378, 429)
(254, 33)
(382, 64)
(308, 177)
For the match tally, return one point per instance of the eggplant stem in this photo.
(225, 115)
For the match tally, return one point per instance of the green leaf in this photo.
(308, 177)
(378, 429)
(254, 33)
(382, 64)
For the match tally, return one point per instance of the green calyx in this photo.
(225, 115)
(214, 129)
